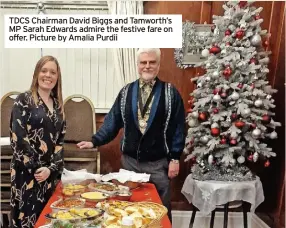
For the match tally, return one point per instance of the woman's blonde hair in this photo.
(57, 90)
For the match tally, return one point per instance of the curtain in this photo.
(125, 58)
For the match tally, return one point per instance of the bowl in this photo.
(123, 196)
(130, 184)
(71, 190)
(66, 204)
(94, 196)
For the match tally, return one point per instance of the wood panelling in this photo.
(199, 12)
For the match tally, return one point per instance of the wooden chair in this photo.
(80, 119)
(7, 102)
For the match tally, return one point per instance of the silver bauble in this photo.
(215, 125)
(193, 122)
(207, 79)
(195, 114)
(205, 53)
(199, 85)
(268, 97)
(234, 96)
(246, 112)
(255, 77)
(266, 60)
(210, 159)
(255, 157)
(256, 40)
(232, 161)
(273, 135)
(241, 159)
(216, 98)
(216, 73)
(258, 103)
(256, 133)
(204, 139)
(208, 65)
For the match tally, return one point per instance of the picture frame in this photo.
(195, 38)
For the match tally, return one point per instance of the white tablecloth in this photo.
(206, 195)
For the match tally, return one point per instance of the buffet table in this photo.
(146, 192)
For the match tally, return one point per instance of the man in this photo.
(151, 112)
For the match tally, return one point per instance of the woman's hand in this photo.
(42, 174)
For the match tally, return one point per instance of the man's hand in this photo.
(42, 174)
(173, 169)
(85, 145)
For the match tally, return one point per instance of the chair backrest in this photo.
(80, 118)
(7, 102)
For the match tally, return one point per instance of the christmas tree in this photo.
(230, 116)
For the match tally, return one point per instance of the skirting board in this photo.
(181, 219)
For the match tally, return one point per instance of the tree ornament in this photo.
(256, 40)
(199, 85)
(239, 34)
(266, 119)
(202, 116)
(256, 133)
(243, 26)
(207, 79)
(242, 4)
(227, 44)
(267, 163)
(215, 50)
(239, 124)
(216, 73)
(216, 98)
(205, 53)
(233, 116)
(265, 43)
(193, 122)
(195, 114)
(227, 32)
(246, 112)
(194, 159)
(190, 101)
(258, 103)
(257, 17)
(233, 142)
(215, 125)
(213, 28)
(250, 158)
(253, 60)
(227, 72)
(240, 85)
(215, 132)
(255, 77)
(266, 60)
(268, 97)
(215, 110)
(234, 96)
(223, 95)
(253, 125)
(223, 141)
(232, 161)
(210, 159)
(241, 159)
(273, 135)
(252, 86)
(216, 91)
(208, 65)
(255, 157)
(204, 139)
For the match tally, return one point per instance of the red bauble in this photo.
(239, 34)
(223, 95)
(216, 91)
(223, 141)
(227, 44)
(250, 158)
(267, 163)
(215, 50)
(227, 32)
(253, 60)
(266, 119)
(239, 124)
(240, 85)
(257, 17)
(215, 131)
(215, 110)
(227, 72)
(252, 86)
(242, 4)
(266, 43)
(189, 110)
(194, 159)
(233, 142)
(233, 116)
(189, 101)
(202, 116)
(253, 125)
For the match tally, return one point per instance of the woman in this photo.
(37, 133)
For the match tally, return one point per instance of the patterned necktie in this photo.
(144, 93)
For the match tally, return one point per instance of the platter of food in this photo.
(105, 187)
(73, 189)
(94, 196)
(65, 204)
